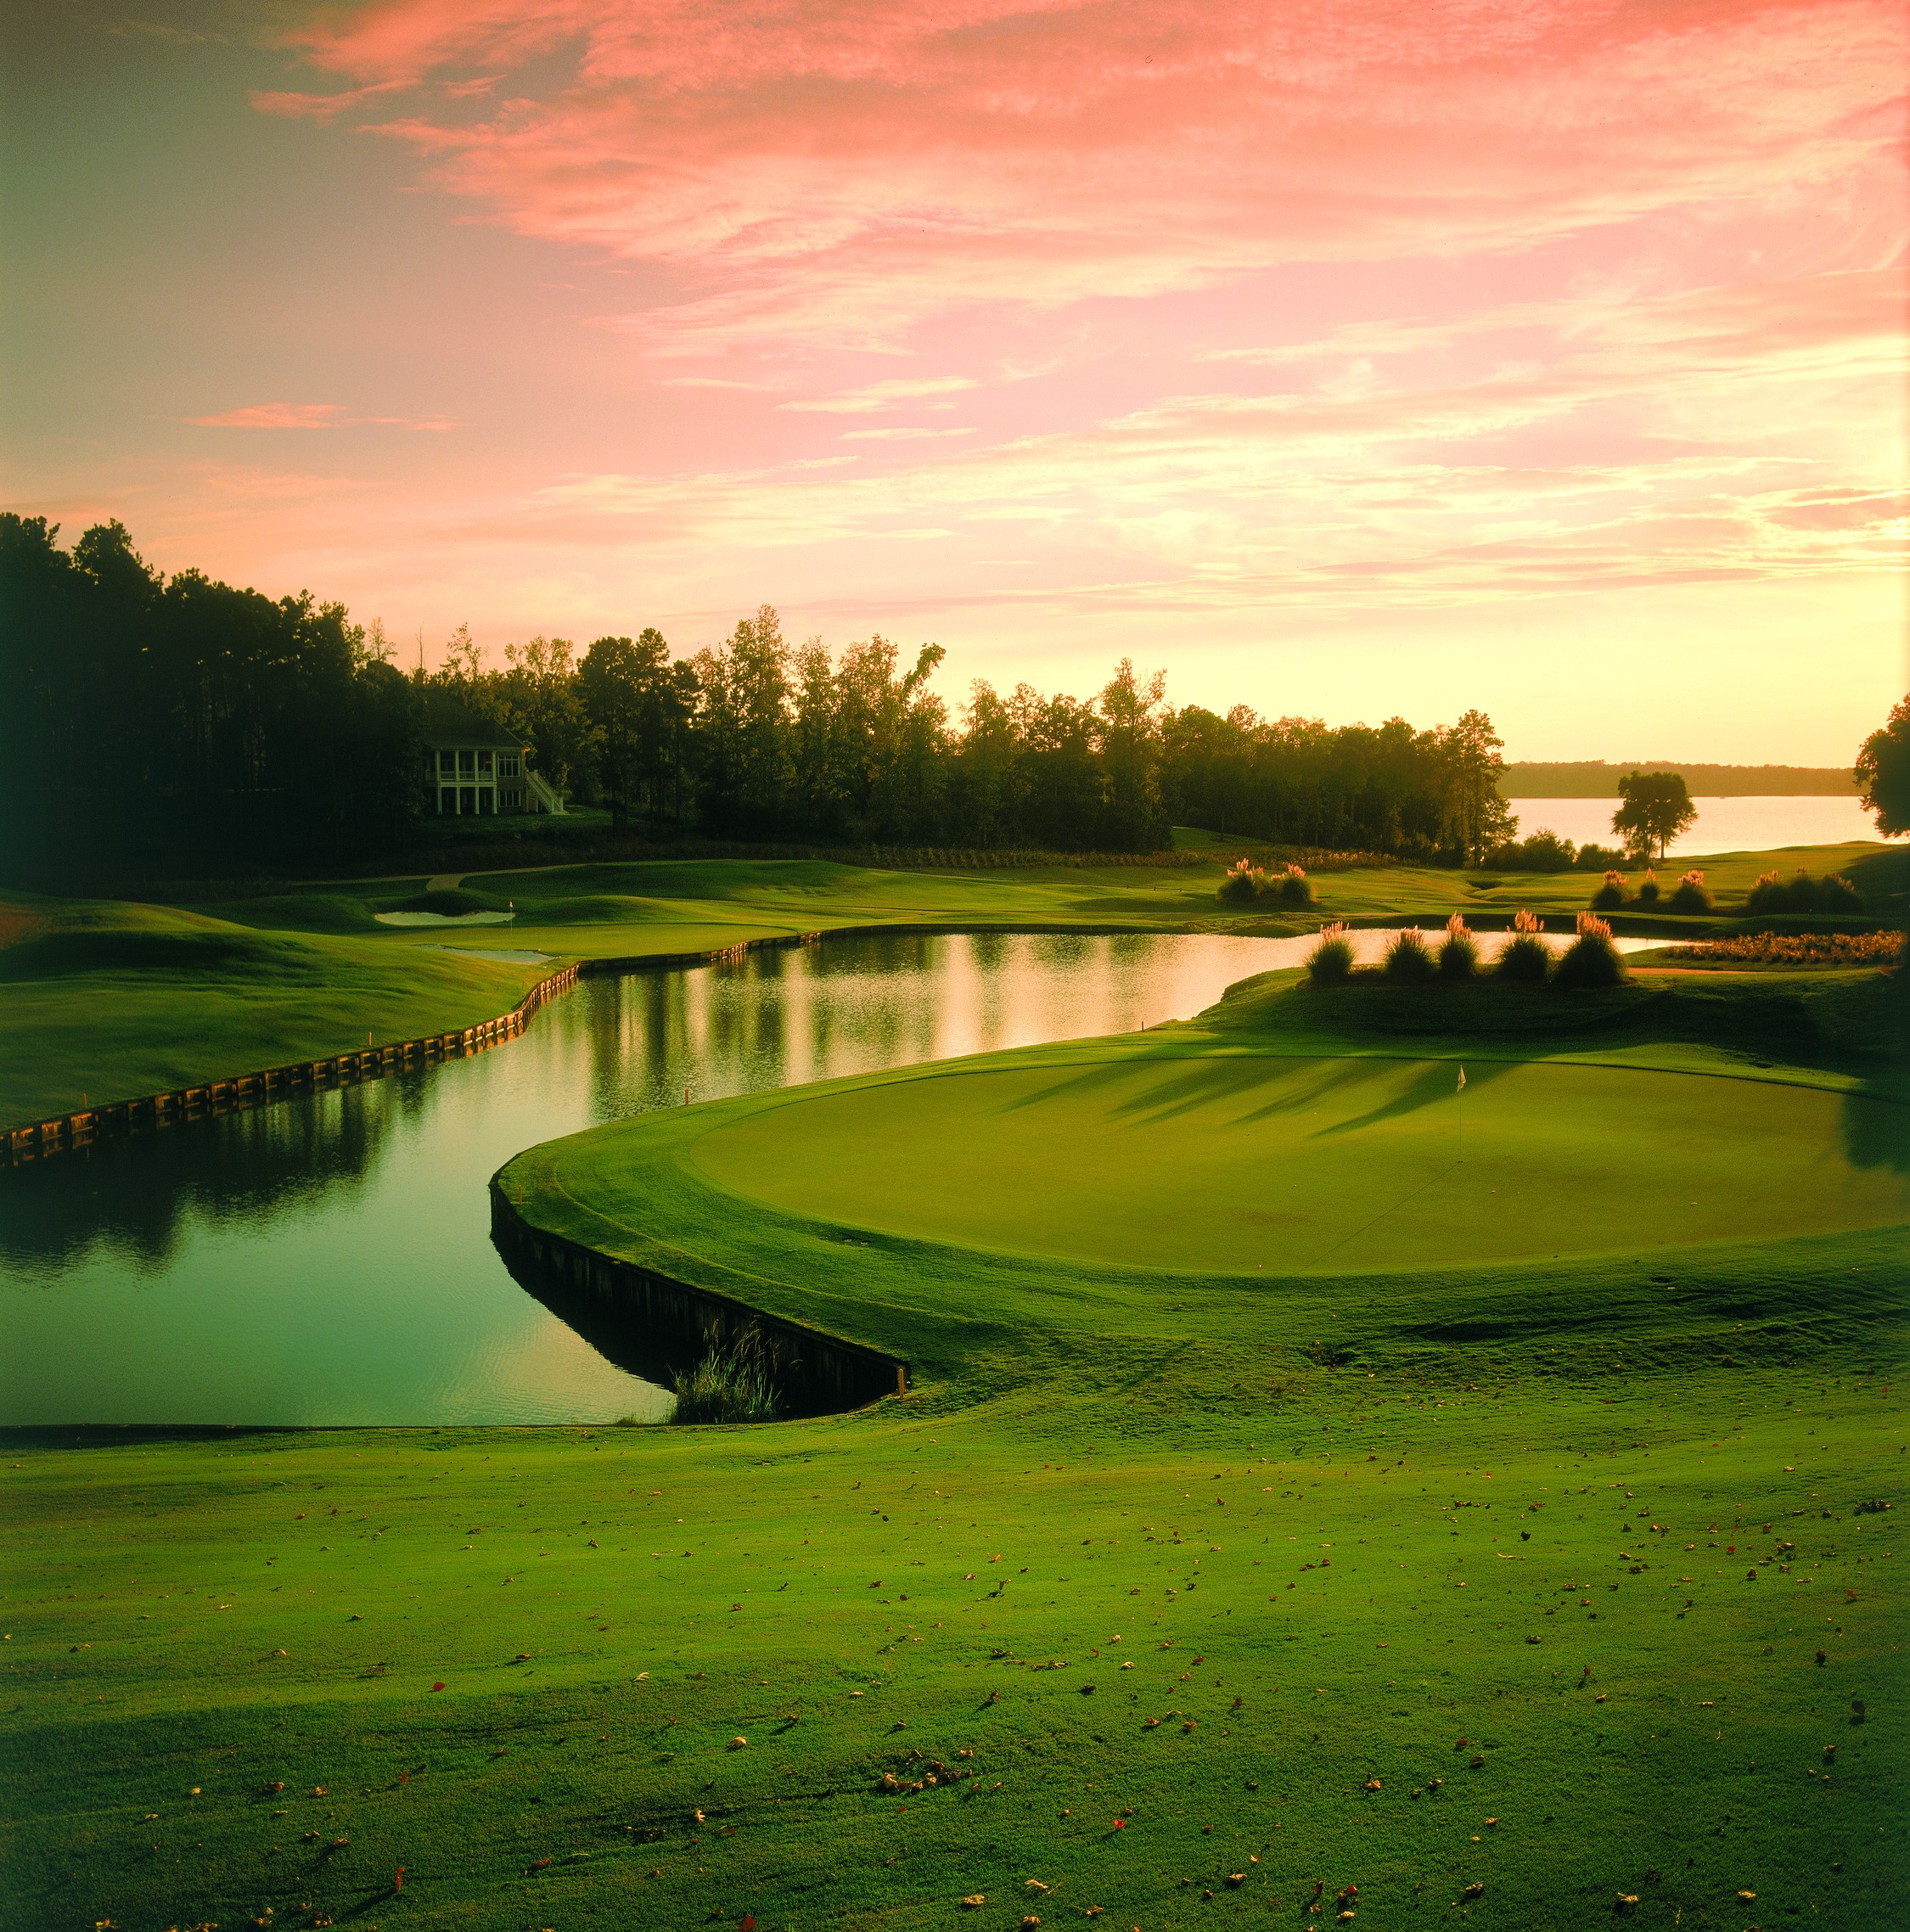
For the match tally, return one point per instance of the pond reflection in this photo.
(328, 1259)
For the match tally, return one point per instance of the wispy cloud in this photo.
(841, 172)
(901, 435)
(311, 416)
(1069, 315)
(892, 394)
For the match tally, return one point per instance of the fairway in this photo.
(1252, 1162)
(1495, 1585)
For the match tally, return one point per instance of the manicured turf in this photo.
(1347, 1472)
(1431, 1575)
(110, 1001)
(1205, 1162)
(101, 1001)
(1604, 1708)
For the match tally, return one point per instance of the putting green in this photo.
(1241, 1163)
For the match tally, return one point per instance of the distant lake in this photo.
(1724, 824)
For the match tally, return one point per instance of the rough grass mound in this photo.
(1244, 883)
(1330, 963)
(452, 903)
(1408, 963)
(731, 1385)
(1458, 957)
(1294, 887)
(1802, 893)
(1526, 959)
(1691, 894)
(1591, 960)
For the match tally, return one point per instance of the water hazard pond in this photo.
(328, 1259)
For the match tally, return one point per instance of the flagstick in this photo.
(1462, 1091)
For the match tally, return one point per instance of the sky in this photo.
(1362, 358)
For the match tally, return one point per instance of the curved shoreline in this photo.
(82, 1127)
(808, 1363)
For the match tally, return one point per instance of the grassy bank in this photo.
(101, 1001)
(110, 1000)
(1506, 1572)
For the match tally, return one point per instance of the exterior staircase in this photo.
(547, 800)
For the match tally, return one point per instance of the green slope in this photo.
(1552, 1578)
(110, 1000)
(101, 1001)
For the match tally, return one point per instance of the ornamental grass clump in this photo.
(1804, 893)
(1648, 889)
(1295, 887)
(1408, 963)
(1610, 897)
(1691, 894)
(1458, 957)
(1525, 958)
(1591, 960)
(1244, 883)
(1330, 963)
(729, 1384)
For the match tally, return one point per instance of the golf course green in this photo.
(1293, 1515)
(1234, 1163)
(111, 1000)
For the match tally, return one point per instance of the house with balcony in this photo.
(474, 767)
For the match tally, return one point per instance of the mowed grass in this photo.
(103, 1001)
(1222, 1629)
(617, 909)
(1198, 1161)
(108, 1000)
(1190, 1595)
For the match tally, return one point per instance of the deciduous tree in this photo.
(1883, 770)
(1657, 807)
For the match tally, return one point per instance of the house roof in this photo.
(450, 723)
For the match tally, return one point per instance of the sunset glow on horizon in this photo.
(1351, 361)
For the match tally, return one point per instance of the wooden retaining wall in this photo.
(817, 1373)
(67, 1131)
(83, 1129)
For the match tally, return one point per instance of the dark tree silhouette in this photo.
(1657, 807)
(153, 723)
(1883, 770)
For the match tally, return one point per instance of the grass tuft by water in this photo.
(727, 1385)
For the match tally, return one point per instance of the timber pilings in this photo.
(78, 1129)
(66, 1133)
(814, 1372)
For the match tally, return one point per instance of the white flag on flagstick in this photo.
(1461, 1088)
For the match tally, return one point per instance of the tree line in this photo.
(153, 719)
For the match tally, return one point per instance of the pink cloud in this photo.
(309, 416)
(889, 394)
(1032, 324)
(840, 172)
(292, 105)
(275, 416)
